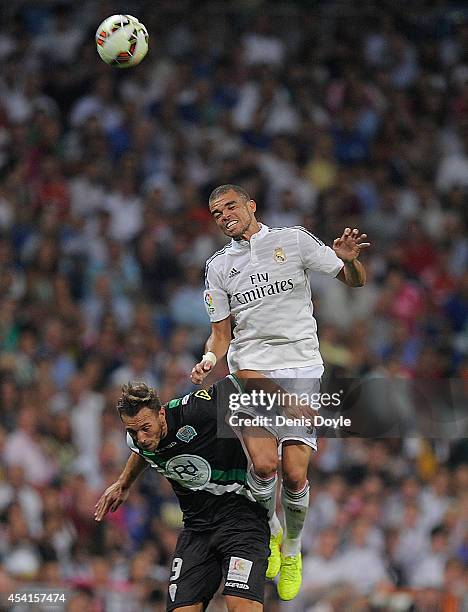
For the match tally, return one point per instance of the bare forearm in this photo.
(134, 467)
(218, 345)
(215, 348)
(355, 273)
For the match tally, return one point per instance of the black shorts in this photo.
(236, 552)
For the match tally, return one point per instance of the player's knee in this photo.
(294, 479)
(265, 467)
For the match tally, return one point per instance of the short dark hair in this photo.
(136, 396)
(439, 530)
(222, 189)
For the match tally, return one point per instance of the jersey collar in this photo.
(242, 245)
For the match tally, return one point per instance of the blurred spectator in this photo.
(25, 447)
(412, 541)
(330, 118)
(321, 570)
(137, 367)
(429, 572)
(359, 564)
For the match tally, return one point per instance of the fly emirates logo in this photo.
(262, 287)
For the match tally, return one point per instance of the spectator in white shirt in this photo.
(435, 499)
(86, 411)
(261, 46)
(321, 570)
(430, 571)
(15, 488)
(359, 564)
(412, 541)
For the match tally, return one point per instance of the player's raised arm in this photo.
(348, 248)
(215, 348)
(118, 492)
(218, 309)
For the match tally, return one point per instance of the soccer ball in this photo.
(122, 41)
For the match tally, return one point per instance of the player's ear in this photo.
(252, 205)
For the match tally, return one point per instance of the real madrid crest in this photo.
(279, 255)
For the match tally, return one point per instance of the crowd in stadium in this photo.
(329, 117)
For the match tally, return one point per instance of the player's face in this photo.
(147, 428)
(234, 215)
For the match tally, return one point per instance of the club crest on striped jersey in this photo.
(279, 255)
(186, 433)
(191, 471)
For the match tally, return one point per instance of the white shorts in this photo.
(305, 380)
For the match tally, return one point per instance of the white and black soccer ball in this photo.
(122, 41)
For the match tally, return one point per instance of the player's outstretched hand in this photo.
(200, 371)
(350, 244)
(111, 499)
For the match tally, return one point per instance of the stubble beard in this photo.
(240, 235)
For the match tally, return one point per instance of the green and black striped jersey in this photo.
(206, 470)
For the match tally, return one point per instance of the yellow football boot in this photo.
(290, 577)
(274, 560)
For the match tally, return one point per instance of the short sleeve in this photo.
(215, 297)
(210, 407)
(206, 405)
(316, 255)
(223, 390)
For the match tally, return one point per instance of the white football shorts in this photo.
(302, 381)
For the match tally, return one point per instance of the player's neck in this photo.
(253, 228)
(163, 433)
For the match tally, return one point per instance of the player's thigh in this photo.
(295, 459)
(237, 604)
(195, 573)
(304, 383)
(262, 448)
(243, 544)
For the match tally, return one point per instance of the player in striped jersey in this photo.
(225, 534)
(260, 281)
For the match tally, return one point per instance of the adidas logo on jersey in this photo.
(233, 272)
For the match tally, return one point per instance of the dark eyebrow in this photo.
(214, 210)
(144, 424)
(130, 430)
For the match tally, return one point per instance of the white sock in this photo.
(264, 491)
(275, 525)
(295, 506)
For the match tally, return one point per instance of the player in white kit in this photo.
(260, 280)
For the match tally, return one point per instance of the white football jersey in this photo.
(264, 284)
